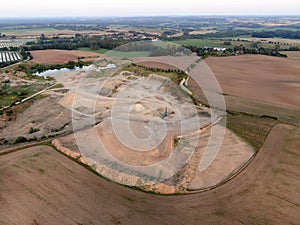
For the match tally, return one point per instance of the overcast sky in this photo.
(34, 8)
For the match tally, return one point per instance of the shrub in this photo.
(20, 139)
(33, 130)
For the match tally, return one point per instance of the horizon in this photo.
(152, 16)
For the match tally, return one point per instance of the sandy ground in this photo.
(234, 153)
(145, 107)
(61, 56)
(40, 186)
(266, 79)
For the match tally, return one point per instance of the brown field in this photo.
(159, 65)
(180, 62)
(34, 33)
(292, 54)
(294, 42)
(260, 78)
(202, 32)
(61, 56)
(41, 186)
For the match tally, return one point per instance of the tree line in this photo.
(277, 33)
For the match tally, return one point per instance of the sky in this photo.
(53, 8)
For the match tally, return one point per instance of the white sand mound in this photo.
(138, 108)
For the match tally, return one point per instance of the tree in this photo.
(277, 48)
(43, 37)
(226, 43)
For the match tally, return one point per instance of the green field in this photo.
(175, 77)
(283, 43)
(131, 54)
(25, 31)
(253, 129)
(203, 43)
(267, 28)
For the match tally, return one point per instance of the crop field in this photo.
(100, 51)
(247, 42)
(22, 31)
(264, 193)
(292, 54)
(47, 31)
(132, 54)
(61, 56)
(203, 43)
(9, 56)
(202, 31)
(275, 80)
(35, 32)
(6, 43)
(268, 42)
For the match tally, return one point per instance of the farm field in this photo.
(247, 42)
(154, 31)
(14, 43)
(27, 31)
(203, 31)
(272, 80)
(61, 56)
(292, 54)
(48, 32)
(267, 28)
(270, 42)
(182, 62)
(203, 43)
(100, 51)
(131, 54)
(9, 56)
(265, 192)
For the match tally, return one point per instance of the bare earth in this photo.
(40, 186)
(61, 56)
(267, 79)
(167, 62)
(149, 64)
(292, 54)
(56, 120)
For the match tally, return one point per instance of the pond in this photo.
(51, 72)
